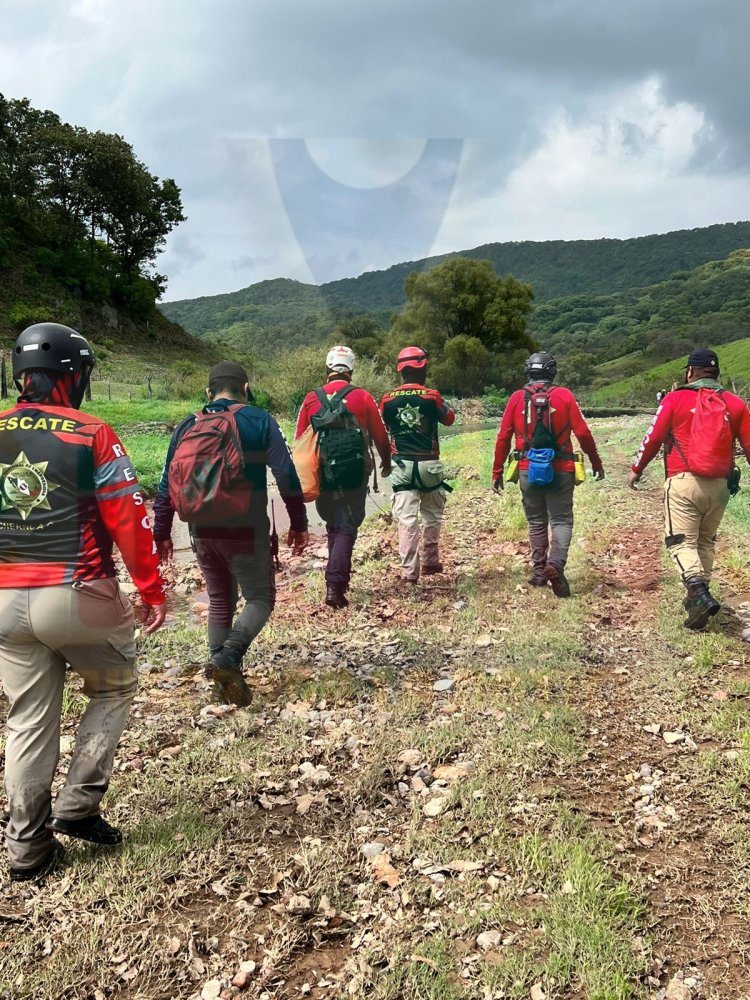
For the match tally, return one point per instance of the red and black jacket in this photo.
(68, 491)
(412, 413)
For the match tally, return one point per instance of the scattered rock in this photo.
(537, 993)
(682, 987)
(410, 757)
(243, 977)
(212, 990)
(435, 806)
(314, 774)
(489, 939)
(372, 849)
(675, 737)
(654, 728)
(452, 772)
(446, 684)
(298, 904)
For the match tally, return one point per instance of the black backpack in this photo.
(341, 443)
(542, 436)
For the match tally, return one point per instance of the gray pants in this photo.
(549, 511)
(41, 629)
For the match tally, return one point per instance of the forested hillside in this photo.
(282, 313)
(606, 338)
(82, 222)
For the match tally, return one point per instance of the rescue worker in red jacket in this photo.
(698, 473)
(344, 510)
(67, 492)
(549, 508)
(412, 413)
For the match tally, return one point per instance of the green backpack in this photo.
(341, 443)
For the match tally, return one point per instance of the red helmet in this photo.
(411, 357)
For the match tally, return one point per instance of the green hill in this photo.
(642, 326)
(642, 388)
(286, 313)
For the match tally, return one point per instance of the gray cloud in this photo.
(197, 88)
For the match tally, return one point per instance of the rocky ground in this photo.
(468, 790)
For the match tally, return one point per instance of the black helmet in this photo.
(540, 367)
(52, 347)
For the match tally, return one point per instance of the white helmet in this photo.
(340, 359)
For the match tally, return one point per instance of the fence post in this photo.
(109, 388)
(3, 380)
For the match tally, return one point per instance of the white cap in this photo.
(340, 359)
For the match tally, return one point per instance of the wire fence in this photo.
(154, 385)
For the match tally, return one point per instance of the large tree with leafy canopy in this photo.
(469, 320)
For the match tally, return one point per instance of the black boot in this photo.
(700, 604)
(556, 576)
(94, 829)
(335, 596)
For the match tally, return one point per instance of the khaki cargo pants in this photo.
(693, 509)
(89, 626)
(411, 504)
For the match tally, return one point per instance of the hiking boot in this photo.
(701, 605)
(225, 670)
(555, 575)
(432, 570)
(537, 580)
(45, 867)
(335, 596)
(95, 829)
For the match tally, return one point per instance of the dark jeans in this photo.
(236, 562)
(343, 512)
(549, 507)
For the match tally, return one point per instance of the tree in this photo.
(362, 333)
(87, 208)
(464, 301)
(577, 370)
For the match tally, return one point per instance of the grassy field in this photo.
(642, 388)
(458, 791)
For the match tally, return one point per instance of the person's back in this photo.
(233, 550)
(57, 464)
(548, 412)
(697, 424)
(341, 505)
(68, 491)
(676, 415)
(411, 414)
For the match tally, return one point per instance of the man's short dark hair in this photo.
(227, 383)
(702, 372)
(227, 376)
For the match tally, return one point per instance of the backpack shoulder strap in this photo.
(527, 394)
(322, 397)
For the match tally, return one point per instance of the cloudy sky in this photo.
(316, 139)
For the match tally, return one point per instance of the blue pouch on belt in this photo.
(541, 470)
